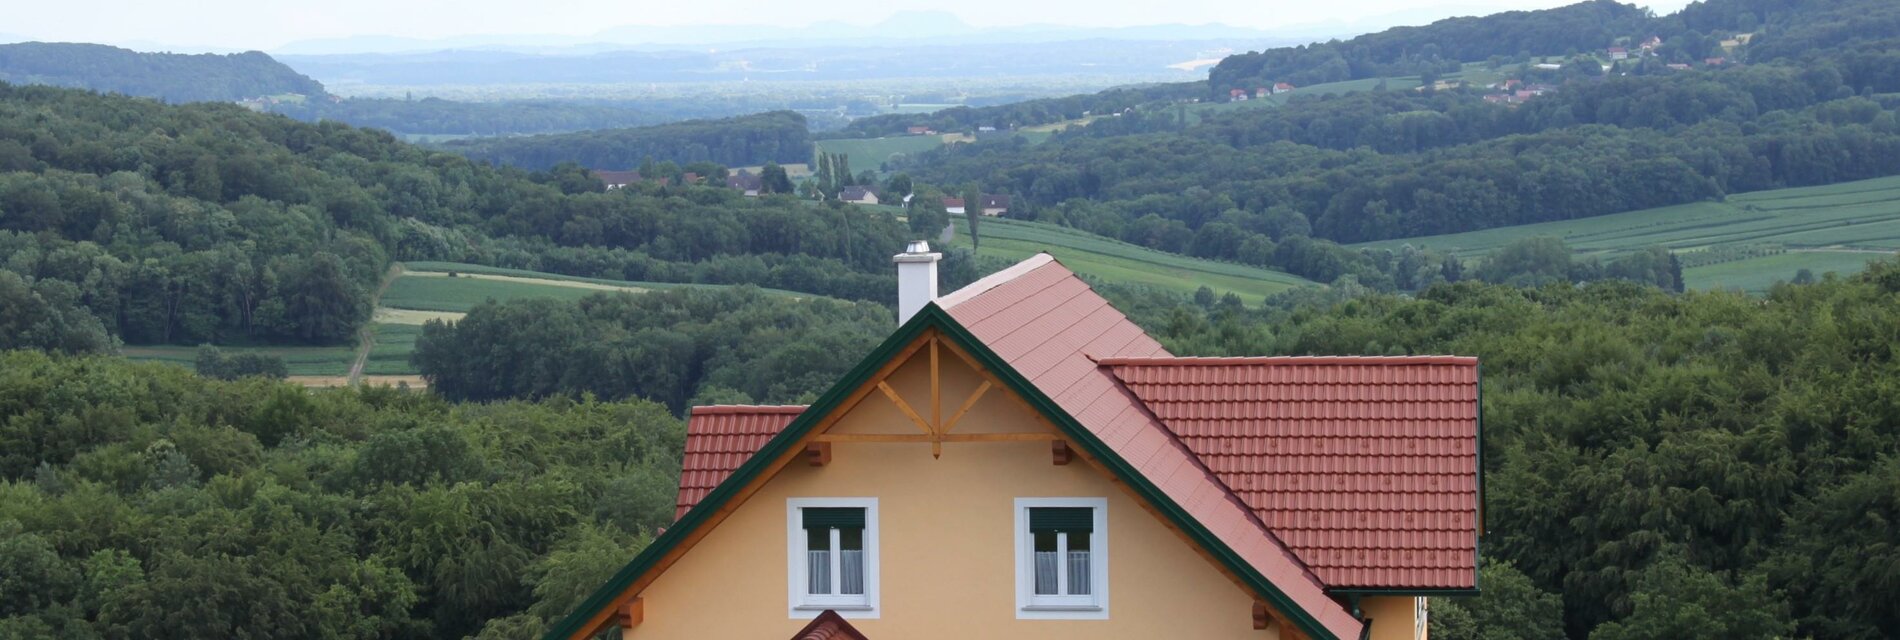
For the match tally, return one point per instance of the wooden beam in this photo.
(818, 454)
(1261, 615)
(631, 614)
(968, 403)
(924, 437)
(936, 402)
(903, 406)
(1059, 450)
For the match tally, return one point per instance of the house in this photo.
(995, 204)
(1237, 95)
(856, 194)
(691, 178)
(616, 179)
(1282, 87)
(746, 182)
(1715, 62)
(1019, 460)
(1547, 66)
(1651, 44)
(1262, 92)
(1619, 53)
(920, 131)
(953, 205)
(1497, 98)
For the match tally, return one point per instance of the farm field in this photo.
(1834, 227)
(389, 351)
(1474, 73)
(870, 153)
(1120, 262)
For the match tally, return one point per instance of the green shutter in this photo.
(1070, 519)
(834, 517)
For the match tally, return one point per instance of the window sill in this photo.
(1062, 607)
(833, 607)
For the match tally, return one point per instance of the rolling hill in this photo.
(170, 77)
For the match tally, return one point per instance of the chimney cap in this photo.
(917, 251)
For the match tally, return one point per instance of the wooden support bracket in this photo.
(1059, 450)
(1261, 616)
(632, 613)
(818, 454)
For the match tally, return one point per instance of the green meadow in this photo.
(1121, 262)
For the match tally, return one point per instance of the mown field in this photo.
(1120, 262)
(1771, 235)
(1474, 73)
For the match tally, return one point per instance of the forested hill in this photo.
(170, 77)
(1439, 47)
(775, 136)
(183, 224)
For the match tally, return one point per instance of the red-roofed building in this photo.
(1282, 87)
(1018, 459)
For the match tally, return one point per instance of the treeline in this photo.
(735, 346)
(1699, 465)
(209, 223)
(171, 77)
(1020, 114)
(776, 136)
(1440, 47)
(142, 501)
(447, 117)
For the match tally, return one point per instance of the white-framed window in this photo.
(1061, 558)
(831, 555)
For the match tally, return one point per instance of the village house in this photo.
(995, 205)
(1019, 460)
(1715, 62)
(1237, 95)
(1282, 87)
(920, 131)
(746, 182)
(1619, 53)
(617, 179)
(857, 194)
(1262, 92)
(1651, 44)
(953, 205)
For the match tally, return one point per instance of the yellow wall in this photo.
(947, 540)
(1392, 617)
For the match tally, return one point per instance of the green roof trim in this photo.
(934, 316)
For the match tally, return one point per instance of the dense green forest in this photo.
(775, 136)
(209, 223)
(142, 501)
(171, 77)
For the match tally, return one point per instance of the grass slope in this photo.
(1120, 262)
(1836, 227)
(870, 153)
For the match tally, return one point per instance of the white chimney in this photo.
(916, 279)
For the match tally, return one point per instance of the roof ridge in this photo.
(994, 280)
(1160, 361)
(747, 408)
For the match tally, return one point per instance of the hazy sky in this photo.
(266, 24)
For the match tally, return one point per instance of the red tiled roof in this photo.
(1365, 466)
(829, 626)
(1049, 325)
(719, 439)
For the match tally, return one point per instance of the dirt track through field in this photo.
(367, 338)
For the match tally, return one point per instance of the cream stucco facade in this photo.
(946, 536)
